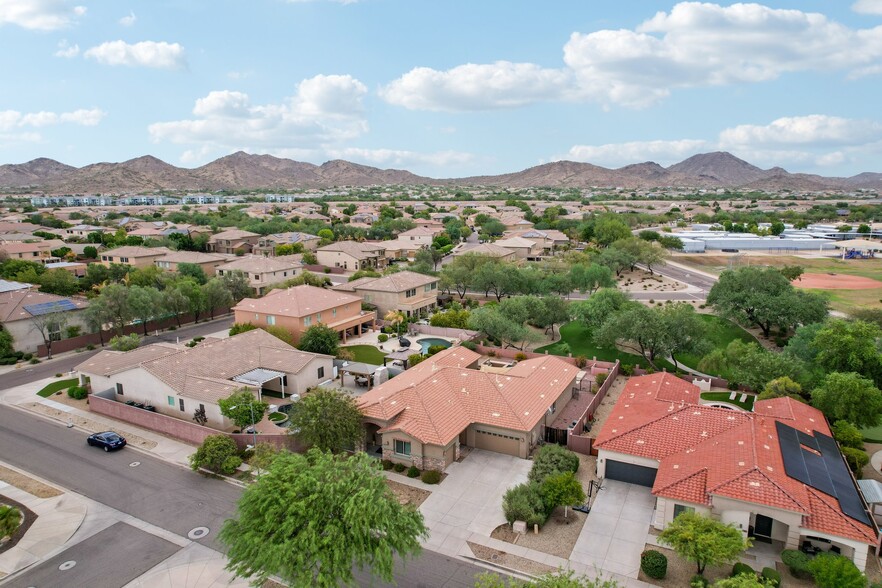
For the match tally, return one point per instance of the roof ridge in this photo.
(756, 468)
(818, 496)
(701, 470)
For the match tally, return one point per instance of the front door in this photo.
(762, 528)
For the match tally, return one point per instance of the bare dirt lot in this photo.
(408, 494)
(835, 281)
(28, 484)
(510, 561)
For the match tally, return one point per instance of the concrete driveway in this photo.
(615, 531)
(469, 500)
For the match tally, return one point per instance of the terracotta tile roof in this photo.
(435, 400)
(12, 303)
(108, 362)
(397, 282)
(193, 257)
(515, 242)
(136, 251)
(290, 238)
(298, 301)
(487, 249)
(355, 249)
(232, 235)
(705, 452)
(258, 264)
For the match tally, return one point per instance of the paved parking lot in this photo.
(615, 532)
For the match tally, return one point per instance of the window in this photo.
(367, 298)
(119, 389)
(270, 319)
(318, 317)
(429, 287)
(124, 259)
(171, 400)
(409, 293)
(321, 372)
(256, 277)
(256, 316)
(333, 312)
(181, 404)
(402, 447)
(307, 320)
(681, 508)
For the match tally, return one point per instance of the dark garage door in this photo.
(628, 472)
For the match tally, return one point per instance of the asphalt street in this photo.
(702, 281)
(159, 493)
(125, 552)
(67, 362)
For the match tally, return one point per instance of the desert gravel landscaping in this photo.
(514, 562)
(28, 484)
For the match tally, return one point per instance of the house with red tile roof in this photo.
(775, 473)
(426, 414)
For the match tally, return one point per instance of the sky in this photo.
(447, 88)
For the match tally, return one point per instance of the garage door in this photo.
(497, 442)
(628, 472)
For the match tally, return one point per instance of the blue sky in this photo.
(446, 89)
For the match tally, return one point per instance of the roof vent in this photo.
(496, 414)
(755, 484)
(741, 443)
(639, 441)
(741, 463)
(676, 466)
(770, 468)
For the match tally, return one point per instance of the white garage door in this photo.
(497, 442)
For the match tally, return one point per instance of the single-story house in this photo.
(298, 308)
(178, 380)
(267, 244)
(775, 473)
(424, 415)
(407, 292)
(18, 309)
(523, 248)
(490, 250)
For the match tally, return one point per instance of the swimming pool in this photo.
(426, 343)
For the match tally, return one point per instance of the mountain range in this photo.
(243, 171)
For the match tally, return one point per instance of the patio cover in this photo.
(872, 491)
(258, 377)
(398, 355)
(358, 368)
(859, 244)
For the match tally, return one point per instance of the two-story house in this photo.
(267, 244)
(233, 241)
(352, 255)
(407, 292)
(36, 251)
(134, 255)
(298, 308)
(263, 272)
(207, 261)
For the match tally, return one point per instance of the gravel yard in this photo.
(408, 494)
(508, 560)
(557, 536)
(28, 484)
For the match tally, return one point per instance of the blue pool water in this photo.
(426, 343)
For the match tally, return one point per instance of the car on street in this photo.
(107, 440)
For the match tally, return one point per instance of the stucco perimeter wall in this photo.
(177, 428)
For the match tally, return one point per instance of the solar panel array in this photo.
(826, 472)
(49, 307)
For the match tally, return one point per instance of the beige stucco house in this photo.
(178, 380)
(298, 308)
(207, 261)
(134, 255)
(234, 241)
(425, 415)
(267, 244)
(19, 307)
(407, 292)
(263, 272)
(523, 248)
(352, 255)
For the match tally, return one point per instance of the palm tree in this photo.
(10, 519)
(396, 318)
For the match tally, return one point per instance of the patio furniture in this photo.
(743, 398)
(733, 395)
(808, 548)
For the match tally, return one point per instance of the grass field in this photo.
(724, 397)
(54, 387)
(872, 434)
(578, 337)
(842, 300)
(366, 354)
(720, 332)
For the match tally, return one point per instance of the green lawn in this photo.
(720, 332)
(578, 337)
(724, 397)
(54, 387)
(366, 354)
(872, 434)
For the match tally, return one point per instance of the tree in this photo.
(639, 329)
(175, 301)
(703, 540)
(850, 346)
(590, 278)
(10, 519)
(848, 435)
(496, 325)
(671, 242)
(218, 453)
(745, 580)
(850, 397)
(595, 310)
(502, 279)
(364, 273)
(194, 271)
(782, 387)
(561, 489)
(195, 296)
(243, 408)
(455, 317)
(313, 518)
(309, 258)
(608, 228)
(145, 304)
(459, 274)
(428, 256)
(115, 299)
(617, 260)
(835, 571)
(7, 345)
(60, 282)
(237, 283)
(686, 332)
(394, 318)
(549, 311)
(864, 229)
(90, 252)
(147, 277)
(327, 419)
(792, 272)
(125, 342)
(96, 316)
(320, 339)
(50, 326)
(216, 296)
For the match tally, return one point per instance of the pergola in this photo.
(859, 245)
(260, 376)
(358, 369)
(398, 356)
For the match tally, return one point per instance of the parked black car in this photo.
(108, 440)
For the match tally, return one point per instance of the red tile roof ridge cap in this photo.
(701, 470)
(757, 469)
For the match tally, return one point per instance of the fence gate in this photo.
(558, 436)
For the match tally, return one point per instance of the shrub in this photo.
(387, 464)
(524, 503)
(626, 369)
(797, 562)
(415, 358)
(413, 472)
(600, 379)
(551, 459)
(651, 301)
(698, 581)
(218, 453)
(431, 477)
(520, 356)
(469, 345)
(491, 353)
(856, 459)
(125, 342)
(733, 386)
(34, 361)
(246, 454)
(433, 349)
(382, 337)
(835, 571)
(742, 568)
(771, 577)
(58, 375)
(654, 564)
(398, 467)
(27, 356)
(90, 347)
(77, 392)
(581, 361)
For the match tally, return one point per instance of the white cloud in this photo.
(13, 119)
(816, 130)
(867, 6)
(128, 20)
(693, 45)
(67, 50)
(619, 154)
(477, 87)
(41, 15)
(325, 110)
(401, 158)
(153, 54)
